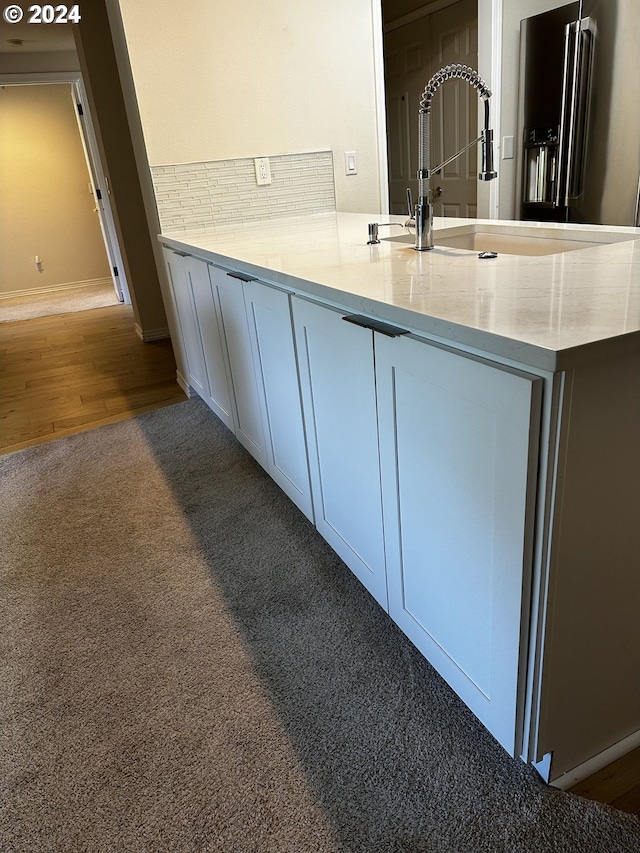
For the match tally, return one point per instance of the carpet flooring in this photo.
(187, 666)
(58, 302)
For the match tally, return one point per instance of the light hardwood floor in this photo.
(618, 785)
(72, 372)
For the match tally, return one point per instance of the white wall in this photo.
(217, 80)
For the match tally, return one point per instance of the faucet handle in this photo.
(410, 209)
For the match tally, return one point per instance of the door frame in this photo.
(489, 67)
(97, 175)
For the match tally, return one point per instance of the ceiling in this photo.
(36, 38)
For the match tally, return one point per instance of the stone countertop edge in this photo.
(445, 331)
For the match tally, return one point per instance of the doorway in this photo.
(61, 212)
(416, 45)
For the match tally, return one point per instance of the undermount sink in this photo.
(517, 239)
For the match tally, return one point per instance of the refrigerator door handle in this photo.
(574, 112)
(563, 150)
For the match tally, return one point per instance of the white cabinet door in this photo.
(458, 442)
(190, 341)
(271, 334)
(209, 320)
(249, 427)
(338, 391)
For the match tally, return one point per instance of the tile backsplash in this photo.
(214, 192)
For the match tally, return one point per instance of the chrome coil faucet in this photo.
(424, 207)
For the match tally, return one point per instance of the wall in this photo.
(195, 195)
(46, 208)
(136, 237)
(220, 80)
(619, 162)
(29, 63)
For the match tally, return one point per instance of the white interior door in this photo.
(407, 53)
(454, 121)
(101, 192)
(413, 53)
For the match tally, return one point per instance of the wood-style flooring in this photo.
(618, 784)
(72, 372)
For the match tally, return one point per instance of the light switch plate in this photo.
(507, 147)
(350, 163)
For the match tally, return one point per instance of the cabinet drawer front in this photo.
(458, 469)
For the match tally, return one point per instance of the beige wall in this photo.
(620, 161)
(115, 131)
(217, 80)
(46, 208)
(46, 61)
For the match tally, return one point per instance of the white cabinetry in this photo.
(339, 394)
(458, 441)
(236, 337)
(417, 463)
(454, 442)
(218, 392)
(185, 314)
(271, 336)
(427, 465)
(249, 428)
(259, 336)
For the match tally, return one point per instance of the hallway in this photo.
(72, 372)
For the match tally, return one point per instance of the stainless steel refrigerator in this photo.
(565, 115)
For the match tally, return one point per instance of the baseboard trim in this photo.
(602, 759)
(147, 335)
(182, 382)
(57, 288)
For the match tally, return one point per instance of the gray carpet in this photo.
(58, 302)
(186, 666)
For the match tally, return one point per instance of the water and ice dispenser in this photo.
(540, 166)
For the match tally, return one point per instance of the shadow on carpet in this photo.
(191, 667)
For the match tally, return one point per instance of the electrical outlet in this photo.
(263, 171)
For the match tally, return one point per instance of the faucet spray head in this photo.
(487, 172)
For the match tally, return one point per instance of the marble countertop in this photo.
(550, 312)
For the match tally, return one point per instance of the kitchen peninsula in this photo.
(468, 442)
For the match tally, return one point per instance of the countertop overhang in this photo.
(550, 312)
